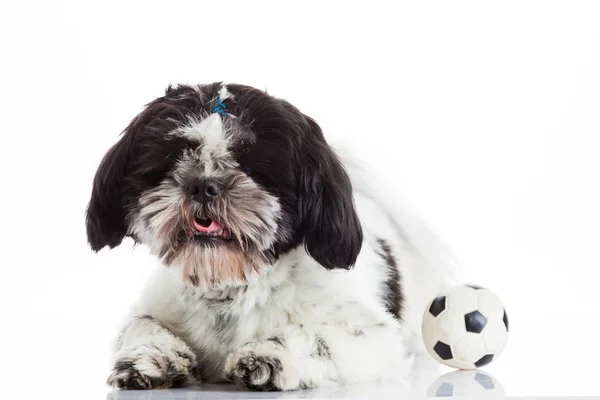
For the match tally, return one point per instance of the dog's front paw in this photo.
(257, 366)
(256, 372)
(149, 367)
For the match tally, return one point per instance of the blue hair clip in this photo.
(219, 107)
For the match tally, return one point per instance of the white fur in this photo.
(214, 136)
(224, 94)
(208, 130)
(211, 129)
(302, 304)
(152, 350)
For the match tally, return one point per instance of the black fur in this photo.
(137, 162)
(393, 292)
(333, 234)
(289, 158)
(276, 339)
(322, 349)
(148, 317)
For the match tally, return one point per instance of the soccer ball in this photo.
(476, 384)
(466, 327)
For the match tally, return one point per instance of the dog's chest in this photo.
(295, 293)
(216, 327)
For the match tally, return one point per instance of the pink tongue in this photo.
(213, 227)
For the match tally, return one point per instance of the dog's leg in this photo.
(150, 356)
(304, 356)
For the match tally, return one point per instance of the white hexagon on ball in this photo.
(465, 327)
(449, 327)
(461, 299)
(470, 349)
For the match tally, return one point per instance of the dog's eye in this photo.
(246, 170)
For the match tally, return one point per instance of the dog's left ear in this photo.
(332, 231)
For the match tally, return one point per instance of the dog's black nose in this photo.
(205, 190)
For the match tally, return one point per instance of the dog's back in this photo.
(425, 263)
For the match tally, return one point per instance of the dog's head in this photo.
(220, 181)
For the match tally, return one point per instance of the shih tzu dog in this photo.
(283, 267)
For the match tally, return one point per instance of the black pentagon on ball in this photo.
(475, 322)
(485, 381)
(445, 390)
(437, 306)
(505, 319)
(443, 350)
(485, 360)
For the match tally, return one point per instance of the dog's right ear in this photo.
(105, 216)
(127, 166)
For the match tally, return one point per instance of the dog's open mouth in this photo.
(206, 228)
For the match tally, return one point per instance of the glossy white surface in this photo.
(531, 365)
(427, 381)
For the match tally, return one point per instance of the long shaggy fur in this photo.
(290, 273)
(165, 219)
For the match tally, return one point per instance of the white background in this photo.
(482, 116)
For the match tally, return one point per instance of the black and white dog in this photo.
(283, 269)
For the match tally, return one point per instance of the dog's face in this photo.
(222, 195)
